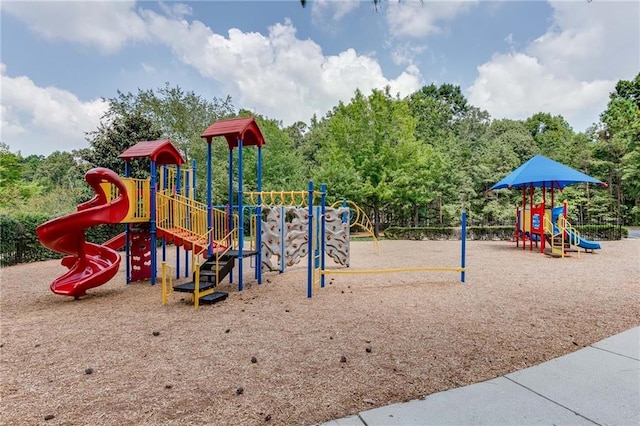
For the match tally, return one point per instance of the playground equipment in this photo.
(540, 226)
(283, 226)
(90, 265)
(163, 208)
(317, 241)
(540, 223)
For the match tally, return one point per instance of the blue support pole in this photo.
(127, 234)
(164, 187)
(230, 204)
(323, 211)
(282, 241)
(240, 216)
(192, 196)
(463, 244)
(178, 191)
(310, 244)
(152, 223)
(347, 219)
(187, 193)
(259, 220)
(209, 196)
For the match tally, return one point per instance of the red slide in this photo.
(90, 265)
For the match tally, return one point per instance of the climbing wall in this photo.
(140, 256)
(285, 235)
(337, 234)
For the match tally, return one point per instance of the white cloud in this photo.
(569, 70)
(405, 53)
(107, 25)
(335, 9)
(275, 74)
(517, 86)
(415, 19)
(44, 119)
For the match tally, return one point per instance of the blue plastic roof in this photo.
(542, 171)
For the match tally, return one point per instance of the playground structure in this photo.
(542, 224)
(163, 209)
(282, 227)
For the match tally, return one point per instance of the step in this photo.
(210, 264)
(216, 296)
(191, 288)
(236, 253)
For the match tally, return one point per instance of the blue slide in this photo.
(573, 238)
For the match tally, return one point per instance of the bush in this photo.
(19, 242)
(602, 232)
(493, 233)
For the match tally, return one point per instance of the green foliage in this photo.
(165, 113)
(406, 161)
(448, 233)
(113, 138)
(603, 232)
(19, 242)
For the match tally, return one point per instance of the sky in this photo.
(59, 60)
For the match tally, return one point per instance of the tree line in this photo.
(410, 161)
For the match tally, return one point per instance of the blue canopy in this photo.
(542, 171)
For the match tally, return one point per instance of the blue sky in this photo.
(513, 58)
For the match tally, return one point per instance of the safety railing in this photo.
(139, 195)
(555, 237)
(222, 251)
(182, 216)
(572, 234)
(168, 180)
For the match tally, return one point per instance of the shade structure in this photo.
(541, 171)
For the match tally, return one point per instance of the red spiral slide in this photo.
(90, 265)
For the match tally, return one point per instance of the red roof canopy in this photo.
(161, 151)
(236, 128)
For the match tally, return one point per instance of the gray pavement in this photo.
(599, 384)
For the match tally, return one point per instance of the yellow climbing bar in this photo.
(279, 198)
(389, 271)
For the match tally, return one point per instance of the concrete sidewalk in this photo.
(599, 384)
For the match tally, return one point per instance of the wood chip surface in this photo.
(119, 357)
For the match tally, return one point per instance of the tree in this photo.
(552, 135)
(617, 152)
(370, 141)
(112, 138)
(182, 116)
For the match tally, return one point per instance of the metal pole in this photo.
(463, 244)
(230, 205)
(323, 207)
(240, 216)
(127, 233)
(178, 190)
(209, 195)
(152, 223)
(310, 243)
(258, 235)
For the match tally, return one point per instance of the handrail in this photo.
(196, 271)
(360, 219)
(197, 294)
(166, 289)
(573, 233)
(548, 224)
